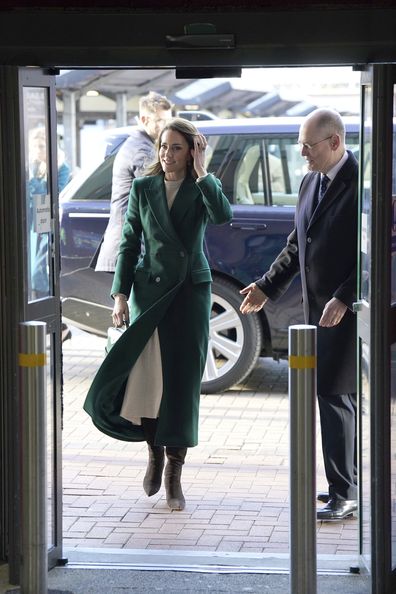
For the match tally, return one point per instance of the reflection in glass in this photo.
(393, 244)
(393, 451)
(50, 441)
(393, 354)
(366, 211)
(365, 471)
(364, 392)
(393, 229)
(38, 205)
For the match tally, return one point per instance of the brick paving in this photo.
(235, 481)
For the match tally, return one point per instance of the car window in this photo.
(98, 185)
(113, 144)
(256, 170)
(216, 152)
(249, 180)
(286, 169)
(259, 169)
(237, 166)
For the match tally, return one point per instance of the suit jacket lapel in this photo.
(308, 194)
(336, 188)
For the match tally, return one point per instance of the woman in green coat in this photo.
(148, 387)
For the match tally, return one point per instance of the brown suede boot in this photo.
(153, 477)
(174, 494)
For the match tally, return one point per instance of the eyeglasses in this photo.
(309, 147)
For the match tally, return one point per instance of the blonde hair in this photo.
(186, 129)
(152, 102)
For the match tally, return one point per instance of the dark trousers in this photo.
(338, 425)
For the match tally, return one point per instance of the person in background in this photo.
(148, 387)
(323, 248)
(137, 152)
(38, 174)
(38, 186)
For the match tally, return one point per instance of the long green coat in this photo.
(169, 289)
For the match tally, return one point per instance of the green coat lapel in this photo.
(186, 196)
(156, 198)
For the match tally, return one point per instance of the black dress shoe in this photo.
(337, 509)
(323, 497)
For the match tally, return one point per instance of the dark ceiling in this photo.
(121, 34)
(196, 5)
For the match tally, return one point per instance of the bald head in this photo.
(322, 139)
(327, 121)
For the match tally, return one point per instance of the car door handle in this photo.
(248, 226)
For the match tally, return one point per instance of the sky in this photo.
(301, 77)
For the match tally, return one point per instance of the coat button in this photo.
(307, 269)
(157, 279)
(309, 239)
(182, 254)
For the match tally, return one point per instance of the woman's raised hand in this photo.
(198, 153)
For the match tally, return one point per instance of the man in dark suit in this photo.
(323, 249)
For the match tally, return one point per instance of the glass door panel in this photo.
(393, 342)
(51, 482)
(376, 327)
(365, 197)
(38, 199)
(42, 299)
(393, 452)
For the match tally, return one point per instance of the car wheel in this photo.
(234, 340)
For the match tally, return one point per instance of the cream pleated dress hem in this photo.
(143, 392)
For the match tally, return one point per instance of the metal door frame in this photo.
(16, 307)
(382, 79)
(374, 319)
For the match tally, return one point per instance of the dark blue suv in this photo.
(259, 164)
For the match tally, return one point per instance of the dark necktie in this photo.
(323, 186)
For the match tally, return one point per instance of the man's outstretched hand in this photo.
(255, 299)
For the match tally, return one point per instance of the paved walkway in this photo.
(235, 481)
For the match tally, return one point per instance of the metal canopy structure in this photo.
(211, 94)
(122, 87)
(118, 92)
(112, 82)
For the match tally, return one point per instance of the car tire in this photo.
(235, 340)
